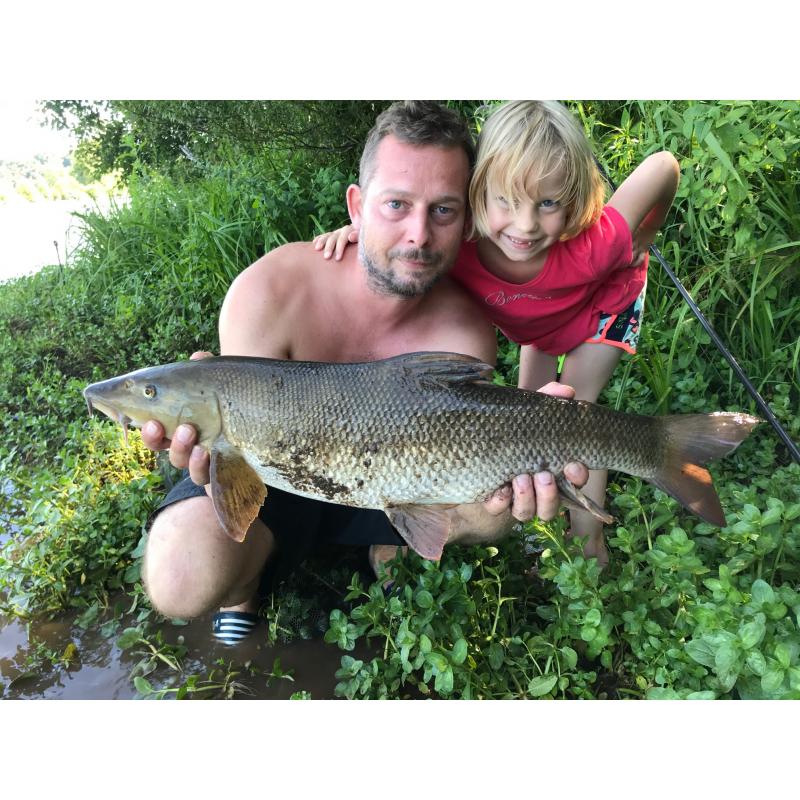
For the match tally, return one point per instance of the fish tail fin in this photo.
(692, 440)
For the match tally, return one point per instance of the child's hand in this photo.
(334, 243)
(642, 240)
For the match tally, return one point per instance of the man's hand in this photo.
(537, 495)
(184, 452)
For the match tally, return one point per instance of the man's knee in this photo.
(191, 566)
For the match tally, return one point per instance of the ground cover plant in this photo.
(682, 610)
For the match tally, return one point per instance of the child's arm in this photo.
(645, 197)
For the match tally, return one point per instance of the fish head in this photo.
(171, 394)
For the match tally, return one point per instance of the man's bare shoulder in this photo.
(265, 301)
(277, 270)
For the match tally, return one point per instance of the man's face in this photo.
(411, 215)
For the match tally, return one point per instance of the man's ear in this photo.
(354, 198)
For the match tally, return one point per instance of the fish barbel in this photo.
(412, 435)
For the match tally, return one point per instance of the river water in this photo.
(101, 670)
(29, 232)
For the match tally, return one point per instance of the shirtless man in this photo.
(389, 297)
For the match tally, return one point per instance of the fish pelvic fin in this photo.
(692, 440)
(236, 491)
(425, 528)
(574, 498)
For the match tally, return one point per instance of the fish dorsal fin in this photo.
(442, 369)
(425, 528)
(236, 490)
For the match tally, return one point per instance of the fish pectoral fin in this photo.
(236, 491)
(575, 498)
(425, 528)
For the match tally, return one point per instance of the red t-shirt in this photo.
(582, 278)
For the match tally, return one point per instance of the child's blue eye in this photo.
(549, 204)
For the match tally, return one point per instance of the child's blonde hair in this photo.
(528, 140)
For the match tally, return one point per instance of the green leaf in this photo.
(725, 657)
(783, 654)
(762, 592)
(142, 686)
(592, 617)
(751, 633)
(756, 661)
(716, 148)
(794, 679)
(542, 685)
(423, 598)
(705, 695)
(437, 661)
(570, 657)
(771, 516)
(128, 638)
(444, 681)
(776, 148)
(459, 651)
(772, 680)
(662, 693)
(701, 651)
(495, 654)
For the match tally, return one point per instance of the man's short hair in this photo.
(419, 122)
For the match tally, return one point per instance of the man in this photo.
(390, 297)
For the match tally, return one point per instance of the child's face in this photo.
(536, 224)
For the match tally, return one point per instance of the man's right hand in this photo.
(184, 452)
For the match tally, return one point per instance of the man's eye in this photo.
(395, 205)
(443, 211)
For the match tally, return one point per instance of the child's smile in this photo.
(533, 226)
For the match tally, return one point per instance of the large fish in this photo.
(412, 435)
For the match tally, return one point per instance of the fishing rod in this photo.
(746, 382)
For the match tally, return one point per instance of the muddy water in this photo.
(100, 670)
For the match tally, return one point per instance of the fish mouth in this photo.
(110, 411)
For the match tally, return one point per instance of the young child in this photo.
(554, 268)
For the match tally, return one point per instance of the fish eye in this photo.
(149, 390)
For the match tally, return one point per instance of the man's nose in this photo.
(418, 230)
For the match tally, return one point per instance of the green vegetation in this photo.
(682, 610)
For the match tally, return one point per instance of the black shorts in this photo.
(301, 525)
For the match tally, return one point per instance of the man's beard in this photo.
(385, 280)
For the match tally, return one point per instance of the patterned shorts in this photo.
(621, 330)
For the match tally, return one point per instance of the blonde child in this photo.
(554, 268)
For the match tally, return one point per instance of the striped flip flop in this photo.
(232, 627)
